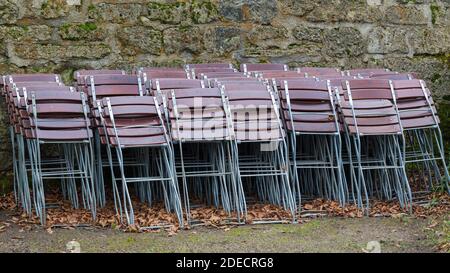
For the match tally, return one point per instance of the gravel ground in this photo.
(329, 234)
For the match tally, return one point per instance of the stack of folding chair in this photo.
(424, 144)
(46, 115)
(205, 148)
(208, 134)
(97, 87)
(262, 147)
(308, 110)
(374, 141)
(138, 145)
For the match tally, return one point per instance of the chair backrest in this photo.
(261, 67)
(101, 86)
(165, 85)
(394, 76)
(169, 74)
(131, 121)
(34, 77)
(369, 108)
(57, 116)
(198, 72)
(209, 65)
(415, 104)
(279, 74)
(308, 107)
(365, 71)
(199, 114)
(254, 113)
(88, 72)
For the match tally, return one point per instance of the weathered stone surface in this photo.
(141, 39)
(406, 15)
(222, 40)
(61, 52)
(294, 51)
(262, 11)
(388, 40)
(117, 13)
(9, 12)
(168, 13)
(26, 33)
(203, 12)
(258, 11)
(296, 7)
(430, 40)
(51, 9)
(440, 14)
(312, 34)
(267, 36)
(344, 42)
(177, 40)
(231, 10)
(86, 31)
(343, 11)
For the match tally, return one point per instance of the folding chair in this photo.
(262, 148)
(311, 122)
(60, 118)
(98, 87)
(424, 144)
(135, 123)
(374, 141)
(206, 156)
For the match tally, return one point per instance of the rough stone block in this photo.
(406, 15)
(61, 52)
(9, 12)
(88, 31)
(117, 13)
(382, 40)
(142, 39)
(168, 13)
(177, 40)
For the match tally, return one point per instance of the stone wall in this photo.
(64, 35)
